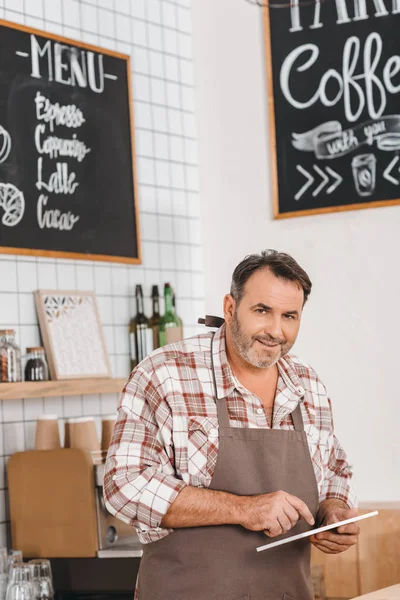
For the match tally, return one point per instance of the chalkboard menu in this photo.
(67, 161)
(334, 82)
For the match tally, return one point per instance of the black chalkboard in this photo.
(67, 185)
(335, 112)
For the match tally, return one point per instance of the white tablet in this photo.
(315, 531)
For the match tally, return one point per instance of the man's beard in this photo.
(246, 346)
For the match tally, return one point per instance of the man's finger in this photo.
(328, 545)
(301, 508)
(344, 540)
(350, 529)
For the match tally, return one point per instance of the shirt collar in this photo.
(225, 380)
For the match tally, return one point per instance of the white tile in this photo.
(34, 8)
(72, 406)
(184, 284)
(166, 230)
(120, 280)
(102, 279)
(53, 406)
(160, 118)
(170, 41)
(89, 18)
(15, 17)
(124, 47)
(139, 32)
(176, 147)
(161, 145)
(109, 403)
(191, 151)
(95, 40)
(169, 15)
(85, 277)
(12, 410)
(177, 175)
(109, 4)
(47, 277)
(91, 404)
(105, 309)
(164, 198)
(108, 331)
(71, 14)
(124, 6)
(192, 178)
(66, 276)
(29, 435)
(27, 276)
(144, 143)
(181, 230)
(123, 28)
(162, 173)
(189, 125)
(137, 9)
(193, 204)
(150, 254)
(175, 121)
(141, 87)
(185, 45)
(8, 276)
(27, 309)
(145, 170)
(29, 336)
(171, 68)
(173, 94)
(183, 257)
(179, 203)
(9, 308)
(156, 64)
(122, 335)
(149, 227)
(140, 60)
(14, 437)
(184, 20)
(155, 37)
(195, 236)
(106, 23)
(196, 258)
(54, 28)
(143, 115)
(32, 408)
(136, 275)
(188, 98)
(197, 285)
(147, 198)
(167, 256)
(186, 71)
(122, 311)
(2, 474)
(1, 442)
(158, 91)
(153, 11)
(14, 4)
(122, 366)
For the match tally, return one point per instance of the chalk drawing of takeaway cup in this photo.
(364, 173)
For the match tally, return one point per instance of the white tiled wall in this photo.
(157, 35)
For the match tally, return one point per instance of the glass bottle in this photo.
(10, 357)
(180, 324)
(155, 317)
(140, 332)
(36, 368)
(169, 324)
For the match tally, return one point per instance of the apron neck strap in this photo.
(297, 418)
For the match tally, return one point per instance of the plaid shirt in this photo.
(166, 434)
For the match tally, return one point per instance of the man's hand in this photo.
(274, 513)
(337, 540)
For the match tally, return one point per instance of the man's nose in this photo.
(274, 327)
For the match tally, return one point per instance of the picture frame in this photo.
(72, 334)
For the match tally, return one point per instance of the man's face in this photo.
(265, 324)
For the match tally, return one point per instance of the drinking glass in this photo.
(20, 583)
(42, 579)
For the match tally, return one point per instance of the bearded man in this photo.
(225, 438)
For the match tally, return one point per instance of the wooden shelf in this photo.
(66, 387)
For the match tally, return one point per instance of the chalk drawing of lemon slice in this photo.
(5, 144)
(13, 202)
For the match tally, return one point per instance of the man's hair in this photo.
(280, 264)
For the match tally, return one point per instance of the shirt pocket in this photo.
(202, 449)
(317, 452)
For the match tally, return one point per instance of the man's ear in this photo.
(229, 308)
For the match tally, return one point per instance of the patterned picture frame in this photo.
(72, 334)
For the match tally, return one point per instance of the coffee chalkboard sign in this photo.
(334, 82)
(67, 160)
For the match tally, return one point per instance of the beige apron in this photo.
(221, 562)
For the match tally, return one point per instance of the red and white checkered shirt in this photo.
(166, 434)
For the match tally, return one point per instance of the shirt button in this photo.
(213, 432)
(260, 411)
(114, 477)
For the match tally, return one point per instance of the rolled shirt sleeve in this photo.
(140, 482)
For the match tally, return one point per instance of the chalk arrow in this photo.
(388, 169)
(336, 176)
(310, 180)
(323, 183)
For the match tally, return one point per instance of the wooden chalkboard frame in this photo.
(77, 255)
(273, 150)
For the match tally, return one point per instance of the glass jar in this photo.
(36, 368)
(10, 357)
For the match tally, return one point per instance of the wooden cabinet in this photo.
(371, 565)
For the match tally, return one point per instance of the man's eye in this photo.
(260, 310)
(290, 317)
